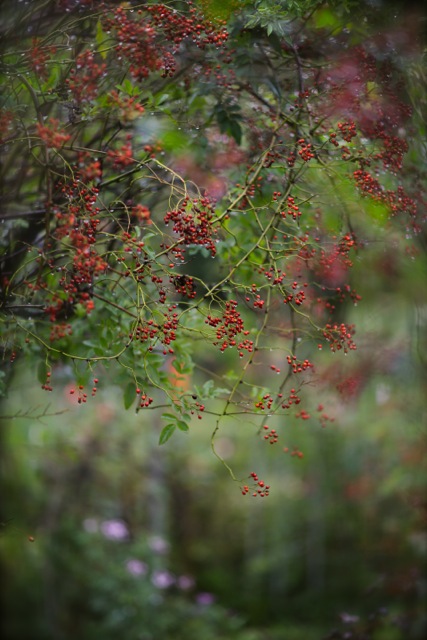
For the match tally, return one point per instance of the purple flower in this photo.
(136, 567)
(158, 544)
(348, 618)
(162, 579)
(114, 530)
(185, 582)
(205, 599)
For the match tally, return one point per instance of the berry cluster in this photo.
(58, 330)
(273, 275)
(82, 396)
(88, 169)
(347, 130)
(306, 150)
(398, 201)
(47, 386)
(257, 487)
(350, 386)
(258, 302)
(198, 408)
(177, 27)
(122, 157)
(344, 292)
(295, 453)
(331, 266)
(267, 400)
(141, 213)
(292, 210)
(303, 414)
(394, 148)
(192, 222)
(151, 331)
(6, 120)
(270, 434)
(78, 224)
(85, 76)
(298, 367)
(292, 399)
(39, 56)
(135, 42)
(228, 327)
(298, 297)
(185, 286)
(324, 418)
(150, 38)
(128, 106)
(143, 399)
(340, 336)
(52, 134)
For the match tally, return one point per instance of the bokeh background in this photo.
(105, 534)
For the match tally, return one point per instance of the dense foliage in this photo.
(188, 182)
(213, 216)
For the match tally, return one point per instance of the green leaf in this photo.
(183, 426)
(169, 415)
(2, 384)
(129, 395)
(172, 140)
(42, 370)
(100, 38)
(166, 433)
(234, 130)
(326, 19)
(178, 366)
(127, 87)
(377, 211)
(183, 363)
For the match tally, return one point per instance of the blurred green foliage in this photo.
(105, 533)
